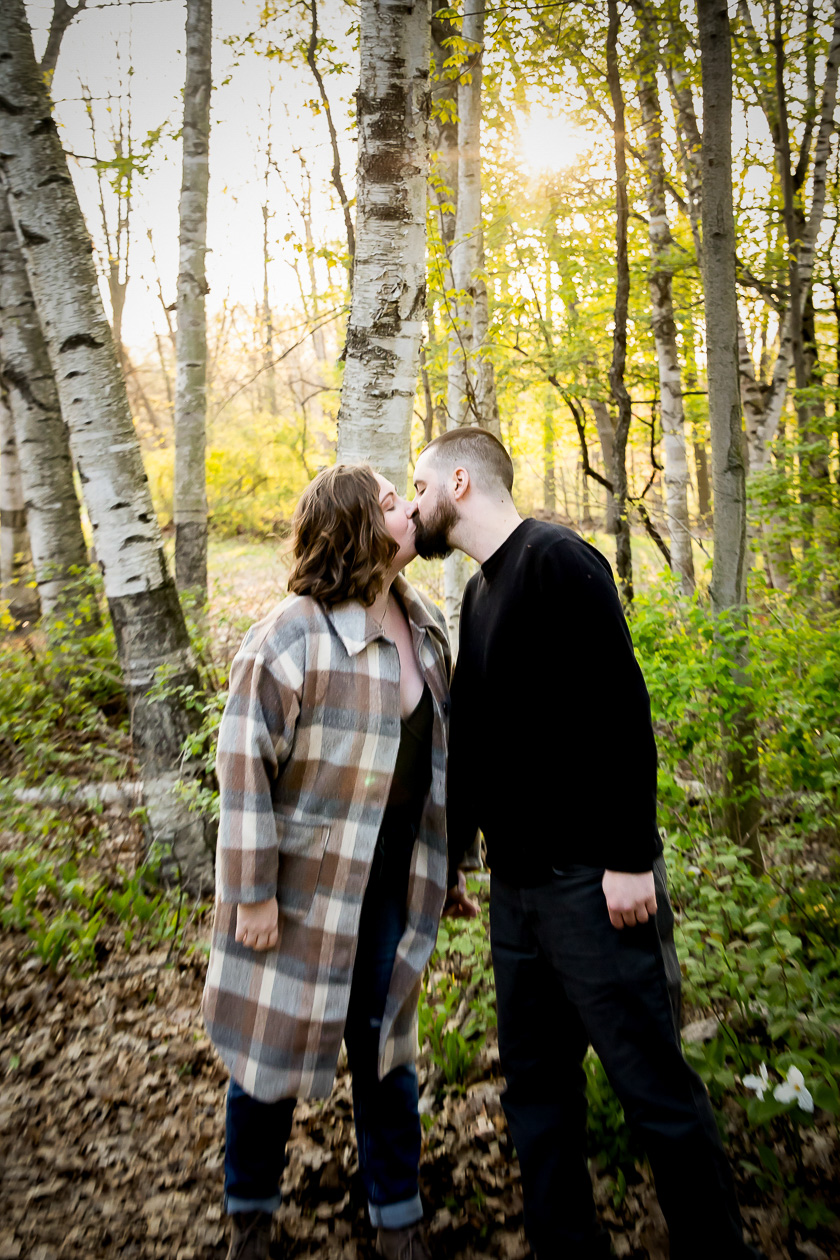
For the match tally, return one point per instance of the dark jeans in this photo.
(567, 979)
(385, 1111)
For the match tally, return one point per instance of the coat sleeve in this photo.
(255, 739)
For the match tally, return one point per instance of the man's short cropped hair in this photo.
(477, 450)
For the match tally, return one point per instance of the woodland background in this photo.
(393, 219)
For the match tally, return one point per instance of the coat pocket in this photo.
(301, 847)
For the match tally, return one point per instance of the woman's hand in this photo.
(256, 924)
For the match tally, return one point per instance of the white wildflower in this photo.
(759, 1084)
(793, 1090)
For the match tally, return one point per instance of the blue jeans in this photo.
(385, 1111)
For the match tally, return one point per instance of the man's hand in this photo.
(458, 905)
(631, 899)
(256, 924)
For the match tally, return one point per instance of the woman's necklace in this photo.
(380, 621)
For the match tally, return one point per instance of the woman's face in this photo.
(398, 521)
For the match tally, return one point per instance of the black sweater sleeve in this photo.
(605, 687)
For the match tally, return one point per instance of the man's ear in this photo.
(460, 483)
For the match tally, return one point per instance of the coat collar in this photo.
(356, 628)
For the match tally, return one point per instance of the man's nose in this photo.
(410, 507)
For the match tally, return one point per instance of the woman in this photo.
(331, 861)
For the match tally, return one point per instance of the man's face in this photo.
(435, 514)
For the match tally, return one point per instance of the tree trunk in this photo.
(729, 565)
(191, 345)
(763, 434)
(62, 15)
(660, 280)
(17, 588)
(59, 552)
(606, 437)
(389, 275)
(469, 319)
(151, 635)
(618, 472)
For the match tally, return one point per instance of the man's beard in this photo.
(431, 538)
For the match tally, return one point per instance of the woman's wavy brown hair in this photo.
(341, 547)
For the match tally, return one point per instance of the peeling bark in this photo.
(389, 276)
(59, 553)
(191, 343)
(151, 635)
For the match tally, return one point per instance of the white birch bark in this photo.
(660, 280)
(389, 274)
(59, 553)
(462, 403)
(763, 434)
(151, 635)
(17, 588)
(191, 343)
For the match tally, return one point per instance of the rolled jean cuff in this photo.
(232, 1204)
(396, 1215)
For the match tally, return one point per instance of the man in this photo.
(552, 755)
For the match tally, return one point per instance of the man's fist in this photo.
(458, 905)
(631, 899)
(256, 924)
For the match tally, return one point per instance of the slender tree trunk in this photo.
(17, 587)
(762, 436)
(151, 635)
(335, 173)
(389, 276)
(606, 437)
(191, 344)
(549, 462)
(660, 281)
(729, 565)
(59, 552)
(618, 472)
(62, 15)
(465, 254)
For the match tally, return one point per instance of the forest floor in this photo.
(112, 1105)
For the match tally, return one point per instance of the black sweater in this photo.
(552, 751)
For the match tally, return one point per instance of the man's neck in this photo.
(483, 532)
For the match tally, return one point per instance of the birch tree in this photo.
(389, 275)
(763, 421)
(150, 632)
(59, 553)
(729, 568)
(660, 284)
(471, 390)
(17, 590)
(191, 344)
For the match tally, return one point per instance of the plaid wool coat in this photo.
(307, 748)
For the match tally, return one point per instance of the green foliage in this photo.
(255, 476)
(62, 705)
(794, 691)
(53, 890)
(457, 1002)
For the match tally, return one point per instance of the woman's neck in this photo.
(379, 608)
